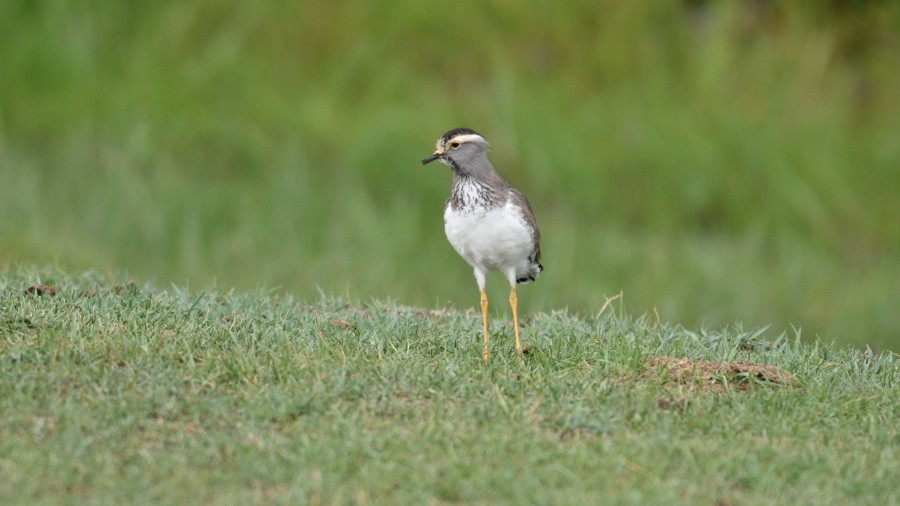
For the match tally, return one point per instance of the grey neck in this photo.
(477, 189)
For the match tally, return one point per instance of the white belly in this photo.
(498, 239)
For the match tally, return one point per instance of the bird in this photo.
(487, 221)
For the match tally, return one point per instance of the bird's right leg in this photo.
(480, 279)
(484, 307)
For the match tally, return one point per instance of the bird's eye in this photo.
(454, 145)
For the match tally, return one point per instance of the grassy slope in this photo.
(714, 161)
(132, 394)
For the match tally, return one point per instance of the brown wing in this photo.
(519, 199)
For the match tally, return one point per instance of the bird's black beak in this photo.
(435, 156)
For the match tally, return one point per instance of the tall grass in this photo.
(714, 162)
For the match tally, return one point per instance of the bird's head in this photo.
(460, 147)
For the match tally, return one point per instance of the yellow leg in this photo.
(484, 307)
(514, 304)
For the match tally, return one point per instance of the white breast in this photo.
(496, 239)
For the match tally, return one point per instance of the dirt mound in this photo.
(700, 375)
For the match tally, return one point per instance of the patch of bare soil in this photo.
(40, 289)
(717, 377)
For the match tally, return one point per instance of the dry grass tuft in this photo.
(718, 377)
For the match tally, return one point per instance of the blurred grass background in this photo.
(714, 161)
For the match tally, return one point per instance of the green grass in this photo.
(715, 162)
(124, 393)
